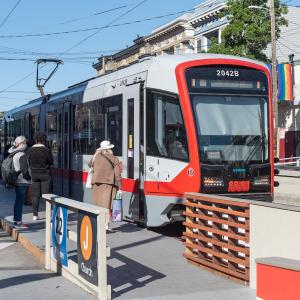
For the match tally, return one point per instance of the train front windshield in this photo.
(231, 113)
(231, 128)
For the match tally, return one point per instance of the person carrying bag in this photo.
(106, 175)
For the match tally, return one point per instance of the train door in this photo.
(133, 154)
(64, 121)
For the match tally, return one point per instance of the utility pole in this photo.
(274, 76)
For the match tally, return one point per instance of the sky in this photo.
(80, 49)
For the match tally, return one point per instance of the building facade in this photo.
(189, 33)
(193, 32)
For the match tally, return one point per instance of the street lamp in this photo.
(274, 70)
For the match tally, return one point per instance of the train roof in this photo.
(32, 103)
(74, 89)
(53, 97)
(160, 70)
(160, 75)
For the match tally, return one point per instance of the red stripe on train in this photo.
(128, 185)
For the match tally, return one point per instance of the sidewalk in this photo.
(143, 265)
(22, 277)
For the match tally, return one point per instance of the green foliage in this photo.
(249, 30)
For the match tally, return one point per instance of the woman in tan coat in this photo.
(106, 178)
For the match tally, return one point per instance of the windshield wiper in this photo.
(261, 142)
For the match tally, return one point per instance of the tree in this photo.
(249, 30)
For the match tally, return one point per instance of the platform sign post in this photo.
(59, 234)
(86, 245)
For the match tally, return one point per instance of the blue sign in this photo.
(59, 234)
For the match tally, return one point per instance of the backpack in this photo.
(9, 175)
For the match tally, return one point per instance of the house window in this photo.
(199, 46)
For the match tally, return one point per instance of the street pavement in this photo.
(144, 264)
(22, 277)
(288, 191)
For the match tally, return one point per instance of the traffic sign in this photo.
(59, 234)
(86, 244)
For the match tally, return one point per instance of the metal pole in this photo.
(274, 76)
(48, 237)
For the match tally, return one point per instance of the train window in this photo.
(88, 127)
(113, 122)
(95, 121)
(166, 135)
(35, 124)
(15, 128)
(51, 121)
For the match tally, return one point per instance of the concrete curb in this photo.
(20, 238)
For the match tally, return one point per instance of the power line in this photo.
(23, 92)
(288, 47)
(11, 11)
(95, 14)
(77, 44)
(293, 44)
(68, 60)
(30, 52)
(17, 99)
(93, 28)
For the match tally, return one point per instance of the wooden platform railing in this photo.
(217, 234)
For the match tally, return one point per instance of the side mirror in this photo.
(276, 184)
(276, 172)
(276, 160)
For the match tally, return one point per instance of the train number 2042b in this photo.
(228, 73)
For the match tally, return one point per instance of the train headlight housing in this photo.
(261, 180)
(213, 182)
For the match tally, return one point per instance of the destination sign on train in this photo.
(227, 84)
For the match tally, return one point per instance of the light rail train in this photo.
(179, 123)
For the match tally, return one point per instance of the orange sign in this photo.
(86, 245)
(86, 237)
(238, 186)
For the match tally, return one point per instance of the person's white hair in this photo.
(106, 151)
(20, 140)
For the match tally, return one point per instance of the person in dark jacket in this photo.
(40, 161)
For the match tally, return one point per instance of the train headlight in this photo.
(212, 181)
(261, 180)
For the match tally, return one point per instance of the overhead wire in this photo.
(11, 11)
(23, 92)
(95, 14)
(295, 52)
(94, 28)
(30, 52)
(77, 44)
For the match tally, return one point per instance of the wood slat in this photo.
(217, 242)
(220, 232)
(216, 220)
(218, 209)
(215, 199)
(225, 270)
(222, 255)
(207, 250)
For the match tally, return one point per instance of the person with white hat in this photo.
(106, 180)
